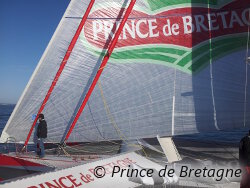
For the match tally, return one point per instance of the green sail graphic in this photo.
(189, 61)
(154, 5)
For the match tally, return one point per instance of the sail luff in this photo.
(102, 66)
(62, 65)
(4, 134)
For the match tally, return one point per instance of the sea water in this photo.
(5, 112)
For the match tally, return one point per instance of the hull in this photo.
(13, 167)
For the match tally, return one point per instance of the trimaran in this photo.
(134, 69)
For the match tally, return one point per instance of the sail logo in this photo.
(179, 37)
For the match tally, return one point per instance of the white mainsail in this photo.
(159, 56)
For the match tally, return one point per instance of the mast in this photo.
(62, 65)
(247, 63)
(102, 66)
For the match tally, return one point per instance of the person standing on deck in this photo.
(41, 134)
(244, 159)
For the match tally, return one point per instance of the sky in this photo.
(26, 27)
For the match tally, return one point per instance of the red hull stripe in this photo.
(63, 63)
(13, 161)
(103, 64)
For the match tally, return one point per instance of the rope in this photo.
(20, 151)
(109, 151)
(111, 118)
(121, 135)
(94, 120)
(63, 146)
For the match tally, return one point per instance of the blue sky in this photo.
(26, 27)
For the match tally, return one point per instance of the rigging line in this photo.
(101, 149)
(103, 139)
(64, 147)
(62, 65)
(91, 78)
(60, 114)
(94, 121)
(119, 132)
(88, 151)
(88, 140)
(99, 72)
(245, 99)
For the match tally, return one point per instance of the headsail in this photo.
(193, 52)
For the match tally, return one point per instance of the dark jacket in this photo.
(244, 151)
(42, 129)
